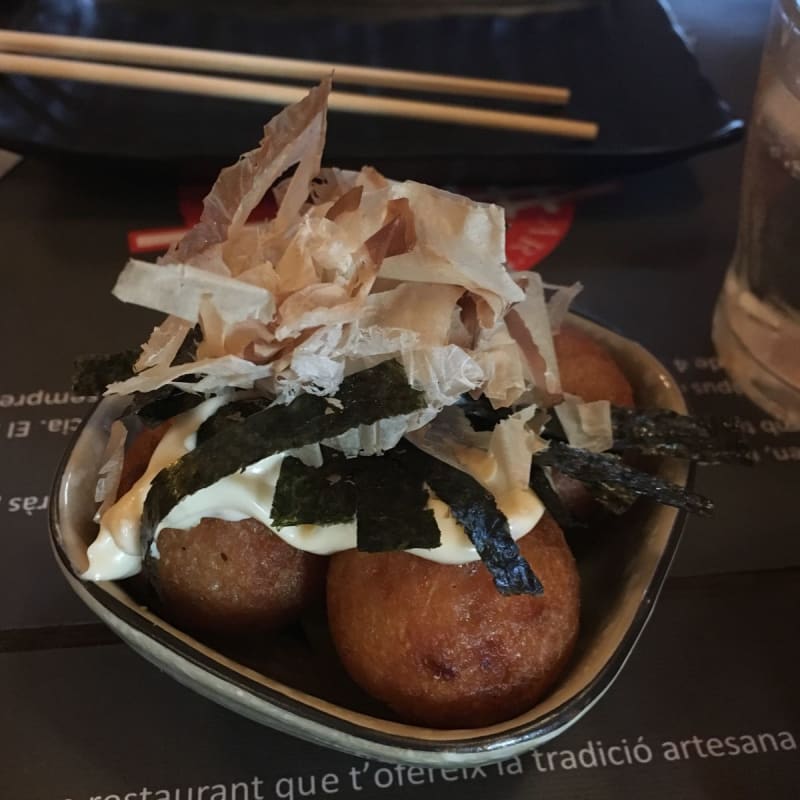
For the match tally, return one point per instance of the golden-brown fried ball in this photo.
(234, 577)
(440, 645)
(225, 577)
(588, 370)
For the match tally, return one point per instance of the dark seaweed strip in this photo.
(314, 496)
(388, 502)
(603, 468)
(93, 373)
(187, 352)
(365, 397)
(234, 448)
(378, 393)
(391, 508)
(475, 509)
(235, 411)
(662, 432)
(553, 429)
(544, 490)
(614, 497)
(481, 413)
(159, 405)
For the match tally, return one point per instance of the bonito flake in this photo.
(354, 269)
(179, 290)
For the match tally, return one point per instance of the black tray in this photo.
(628, 67)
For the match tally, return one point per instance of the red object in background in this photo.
(190, 204)
(190, 207)
(535, 231)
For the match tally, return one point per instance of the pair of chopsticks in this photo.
(80, 59)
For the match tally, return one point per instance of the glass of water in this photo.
(756, 327)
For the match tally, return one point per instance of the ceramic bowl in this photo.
(622, 572)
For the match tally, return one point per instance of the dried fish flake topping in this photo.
(294, 136)
(355, 269)
(401, 290)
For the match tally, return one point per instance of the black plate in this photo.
(628, 67)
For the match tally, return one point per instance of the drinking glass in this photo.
(756, 327)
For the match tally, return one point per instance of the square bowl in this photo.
(622, 573)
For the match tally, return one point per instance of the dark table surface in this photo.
(711, 693)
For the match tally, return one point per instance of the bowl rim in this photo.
(209, 672)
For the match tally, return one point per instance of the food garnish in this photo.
(660, 432)
(363, 399)
(606, 471)
(93, 373)
(371, 339)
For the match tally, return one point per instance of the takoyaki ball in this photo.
(233, 577)
(588, 370)
(440, 645)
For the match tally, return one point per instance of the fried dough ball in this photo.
(234, 577)
(588, 370)
(440, 645)
(225, 577)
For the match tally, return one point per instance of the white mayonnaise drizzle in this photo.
(116, 553)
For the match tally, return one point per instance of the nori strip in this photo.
(166, 402)
(92, 373)
(475, 509)
(661, 432)
(544, 490)
(373, 394)
(614, 497)
(390, 507)
(235, 411)
(387, 501)
(482, 415)
(604, 468)
(553, 429)
(314, 495)
(657, 432)
(391, 512)
(188, 350)
(366, 397)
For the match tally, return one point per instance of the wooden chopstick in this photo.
(189, 58)
(164, 80)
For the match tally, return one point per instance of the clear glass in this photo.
(756, 327)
